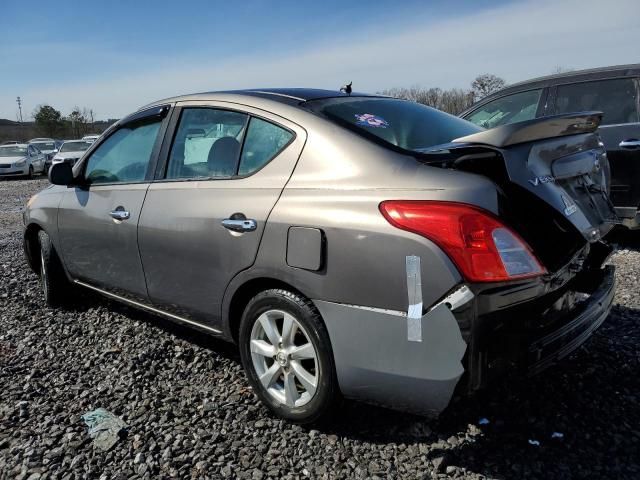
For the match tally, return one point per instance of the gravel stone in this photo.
(191, 414)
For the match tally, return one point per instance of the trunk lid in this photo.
(558, 159)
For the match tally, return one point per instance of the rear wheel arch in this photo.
(245, 292)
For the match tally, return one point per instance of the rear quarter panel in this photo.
(337, 187)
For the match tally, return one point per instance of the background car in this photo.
(92, 137)
(48, 147)
(348, 243)
(611, 90)
(11, 142)
(21, 159)
(71, 151)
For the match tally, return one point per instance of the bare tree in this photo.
(451, 101)
(486, 84)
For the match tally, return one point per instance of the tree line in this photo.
(454, 100)
(81, 121)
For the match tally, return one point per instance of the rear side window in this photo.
(510, 109)
(207, 144)
(216, 143)
(124, 156)
(263, 142)
(617, 99)
(399, 123)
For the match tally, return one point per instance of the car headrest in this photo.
(223, 156)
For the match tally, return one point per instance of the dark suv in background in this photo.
(611, 90)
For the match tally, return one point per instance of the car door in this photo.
(204, 216)
(618, 99)
(34, 159)
(98, 218)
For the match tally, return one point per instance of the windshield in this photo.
(75, 146)
(45, 145)
(13, 151)
(399, 123)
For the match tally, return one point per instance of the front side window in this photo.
(124, 156)
(617, 99)
(399, 123)
(510, 109)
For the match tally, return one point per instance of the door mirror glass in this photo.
(61, 174)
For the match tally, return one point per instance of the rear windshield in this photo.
(397, 123)
(75, 146)
(45, 146)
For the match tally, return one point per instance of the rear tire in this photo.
(55, 285)
(286, 353)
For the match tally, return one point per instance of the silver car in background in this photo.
(48, 147)
(21, 160)
(349, 244)
(70, 151)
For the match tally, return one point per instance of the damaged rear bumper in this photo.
(459, 350)
(577, 328)
(377, 363)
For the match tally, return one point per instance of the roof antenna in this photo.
(346, 88)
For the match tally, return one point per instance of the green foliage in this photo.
(48, 119)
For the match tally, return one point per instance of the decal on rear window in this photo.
(370, 120)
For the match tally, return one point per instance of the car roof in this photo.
(629, 69)
(289, 96)
(560, 78)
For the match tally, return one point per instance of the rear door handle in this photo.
(631, 143)
(239, 225)
(120, 214)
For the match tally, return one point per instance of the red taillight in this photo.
(481, 246)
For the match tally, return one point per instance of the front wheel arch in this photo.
(32, 247)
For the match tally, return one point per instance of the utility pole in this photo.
(20, 108)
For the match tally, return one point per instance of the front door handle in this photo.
(120, 214)
(631, 143)
(239, 225)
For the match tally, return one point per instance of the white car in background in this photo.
(21, 159)
(48, 147)
(71, 151)
(92, 138)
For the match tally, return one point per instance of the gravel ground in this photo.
(191, 413)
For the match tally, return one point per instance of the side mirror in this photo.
(61, 174)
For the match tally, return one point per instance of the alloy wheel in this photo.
(284, 358)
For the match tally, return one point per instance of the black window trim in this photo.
(172, 130)
(165, 112)
(633, 78)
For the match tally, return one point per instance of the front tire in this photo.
(31, 174)
(54, 282)
(286, 352)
